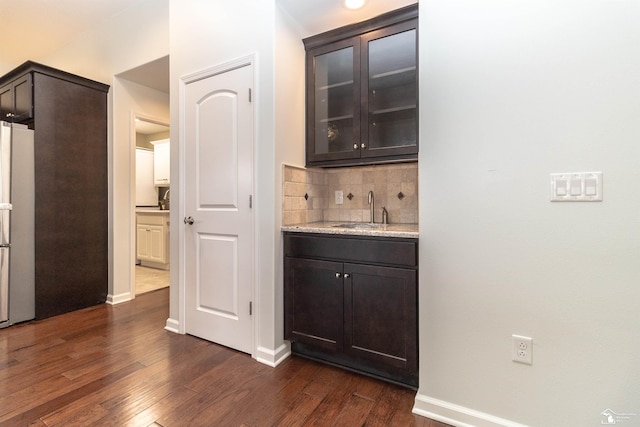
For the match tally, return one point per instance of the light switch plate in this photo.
(576, 187)
(339, 196)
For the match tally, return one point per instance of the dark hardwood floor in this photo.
(117, 366)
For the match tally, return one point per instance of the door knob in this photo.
(188, 220)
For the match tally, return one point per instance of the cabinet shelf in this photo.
(334, 85)
(393, 72)
(393, 110)
(335, 119)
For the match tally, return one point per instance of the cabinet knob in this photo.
(9, 115)
(363, 145)
(347, 275)
(188, 220)
(355, 146)
(338, 275)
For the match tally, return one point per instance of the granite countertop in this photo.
(389, 230)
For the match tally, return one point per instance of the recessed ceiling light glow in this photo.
(353, 4)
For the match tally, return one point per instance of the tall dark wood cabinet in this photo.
(69, 119)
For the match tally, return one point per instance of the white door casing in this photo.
(219, 222)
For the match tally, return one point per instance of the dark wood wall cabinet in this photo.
(362, 92)
(16, 99)
(68, 114)
(352, 302)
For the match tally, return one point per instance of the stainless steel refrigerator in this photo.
(17, 266)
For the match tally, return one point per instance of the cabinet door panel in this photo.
(142, 242)
(161, 163)
(333, 101)
(381, 315)
(314, 302)
(6, 101)
(390, 91)
(156, 236)
(23, 98)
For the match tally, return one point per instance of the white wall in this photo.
(289, 135)
(512, 91)
(5, 67)
(206, 33)
(129, 100)
(137, 36)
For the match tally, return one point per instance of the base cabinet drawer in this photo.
(360, 316)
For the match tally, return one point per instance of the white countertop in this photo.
(151, 210)
(389, 230)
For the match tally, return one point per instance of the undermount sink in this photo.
(362, 225)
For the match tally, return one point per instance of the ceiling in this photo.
(154, 74)
(148, 128)
(317, 16)
(39, 28)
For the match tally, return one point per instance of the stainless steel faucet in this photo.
(164, 203)
(371, 205)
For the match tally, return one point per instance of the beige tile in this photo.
(287, 218)
(299, 176)
(150, 279)
(287, 174)
(331, 215)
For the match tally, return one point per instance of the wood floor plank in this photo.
(117, 366)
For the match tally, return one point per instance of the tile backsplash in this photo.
(394, 186)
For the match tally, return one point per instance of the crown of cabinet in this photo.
(16, 89)
(362, 92)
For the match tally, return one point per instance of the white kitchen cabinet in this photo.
(146, 191)
(152, 233)
(161, 161)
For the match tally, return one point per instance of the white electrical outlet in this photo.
(522, 349)
(339, 197)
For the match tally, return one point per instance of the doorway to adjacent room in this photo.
(153, 202)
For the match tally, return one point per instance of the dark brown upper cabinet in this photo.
(362, 92)
(16, 100)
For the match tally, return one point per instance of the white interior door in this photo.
(219, 260)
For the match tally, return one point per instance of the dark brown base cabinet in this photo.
(68, 114)
(352, 302)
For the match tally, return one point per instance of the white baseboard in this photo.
(456, 415)
(172, 325)
(117, 299)
(273, 357)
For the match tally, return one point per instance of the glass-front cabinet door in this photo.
(333, 101)
(389, 92)
(362, 92)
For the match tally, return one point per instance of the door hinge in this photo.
(250, 201)
(249, 94)
(250, 308)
